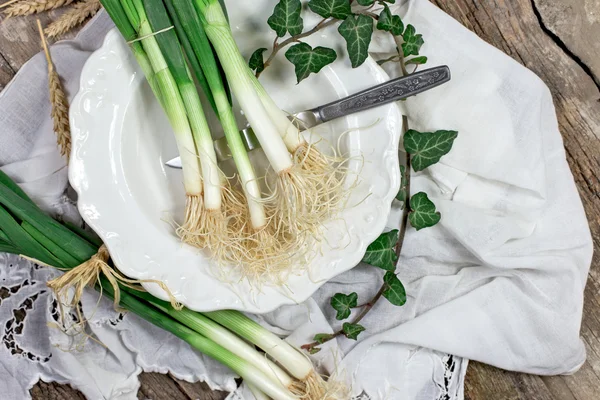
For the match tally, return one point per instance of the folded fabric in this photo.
(500, 280)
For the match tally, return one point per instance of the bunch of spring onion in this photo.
(260, 229)
(226, 336)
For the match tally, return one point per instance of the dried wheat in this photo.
(74, 17)
(27, 7)
(59, 103)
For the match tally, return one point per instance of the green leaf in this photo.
(357, 30)
(412, 42)
(308, 60)
(401, 196)
(90, 237)
(314, 350)
(343, 304)
(286, 18)
(23, 242)
(366, 2)
(427, 148)
(55, 249)
(9, 183)
(390, 23)
(352, 330)
(3, 238)
(338, 9)
(423, 214)
(381, 252)
(322, 337)
(256, 61)
(417, 60)
(394, 291)
(27, 211)
(7, 248)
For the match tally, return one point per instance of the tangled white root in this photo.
(188, 232)
(211, 229)
(317, 388)
(301, 199)
(313, 191)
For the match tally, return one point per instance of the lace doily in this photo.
(33, 347)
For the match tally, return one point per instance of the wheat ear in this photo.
(58, 101)
(74, 17)
(27, 7)
(8, 3)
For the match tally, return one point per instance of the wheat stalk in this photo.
(75, 16)
(27, 7)
(58, 101)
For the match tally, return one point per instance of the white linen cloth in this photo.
(499, 280)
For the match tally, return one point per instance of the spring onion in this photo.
(203, 332)
(239, 365)
(302, 197)
(290, 358)
(261, 230)
(203, 52)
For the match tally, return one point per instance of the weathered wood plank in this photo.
(485, 382)
(199, 391)
(576, 23)
(20, 40)
(158, 387)
(54, 391)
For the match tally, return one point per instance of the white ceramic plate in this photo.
(121, 140)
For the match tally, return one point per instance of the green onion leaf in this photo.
(27, 211)
(6, 181)
(90, 237)
(189, 53)
(55, 249)
(26, 244)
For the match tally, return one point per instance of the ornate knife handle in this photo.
(394, 90)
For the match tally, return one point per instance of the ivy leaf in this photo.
(352, 330)
(423, 214)
(395, 292)
(412, 41)
(417, 60)
(401, 196)
(343, 304)
(427, 148)
(322, 337)
(357, 30)
(286, 18)
(366, 2)
(314, 350)
(308, 60)
(256, 61)
(338, 9)
(390, 23)
(381, 252)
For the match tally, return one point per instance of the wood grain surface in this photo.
(558, 40)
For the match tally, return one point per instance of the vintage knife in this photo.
(394, 90)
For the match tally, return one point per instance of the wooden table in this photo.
(558, 40)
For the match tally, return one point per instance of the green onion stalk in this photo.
(259, 254)
(226, 336)
(264, 384)
(302, 197)
(209, 227)
(204, 224)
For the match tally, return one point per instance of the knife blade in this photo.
(385, 93)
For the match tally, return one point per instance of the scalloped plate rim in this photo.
(350, 260)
